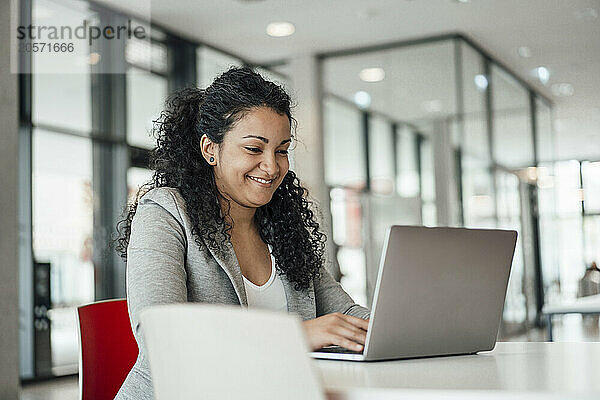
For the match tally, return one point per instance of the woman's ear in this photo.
(209, 150)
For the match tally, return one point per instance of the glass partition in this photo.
(146, 93)
(71, 110)
(150, 55)
(426, 157)
(509, 217)
(344, 143)
(591, 217)
(417, 83)
(544, 137)
(136, 177)
(78, 179)
(549, 235)
(512, 139)
(90, 141)
(407, 178)
(475, 138)
(62, 101)
(478, 196)
(400, 97)
(591, 186)
(570, 225)
(211, 63)
(347, 223)
(426, 90)
(381, 155)
(62, 180)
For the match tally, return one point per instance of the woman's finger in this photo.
(354, 331)
(359, 322)
(347, 330)
(346, 343)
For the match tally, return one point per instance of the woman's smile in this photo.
(265, 183)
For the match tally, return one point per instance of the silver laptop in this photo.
(439, 291)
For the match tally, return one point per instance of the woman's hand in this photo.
(336, 329)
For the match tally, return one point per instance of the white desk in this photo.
(512, 370)
(589, 305)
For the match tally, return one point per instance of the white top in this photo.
(271, 295)
(515, 370)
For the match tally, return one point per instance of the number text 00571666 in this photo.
(46, 47)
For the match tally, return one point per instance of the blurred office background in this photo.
(441, 113)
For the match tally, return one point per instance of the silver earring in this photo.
(212, 159)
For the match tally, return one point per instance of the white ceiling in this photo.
(567, 45)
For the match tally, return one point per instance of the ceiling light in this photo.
(93, 58)
(362, 99)
(372, 74)
(542, 74)
(562, 89)
(524, 51)
(481, 81)
(280, 29)
(532, 173)
(462, 1)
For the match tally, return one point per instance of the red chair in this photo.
(107, 348)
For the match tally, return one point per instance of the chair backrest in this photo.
(225, 352)
(107, 348)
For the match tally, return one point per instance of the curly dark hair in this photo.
(287, 222)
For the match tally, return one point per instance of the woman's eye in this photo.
(257, 150)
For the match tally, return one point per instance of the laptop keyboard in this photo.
(337, 349)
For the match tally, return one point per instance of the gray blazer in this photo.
(166, 265)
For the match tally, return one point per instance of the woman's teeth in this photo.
(260, 180)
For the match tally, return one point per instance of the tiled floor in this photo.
(569, 328)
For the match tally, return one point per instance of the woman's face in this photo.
(252, 160)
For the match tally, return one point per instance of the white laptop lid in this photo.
(225, 352)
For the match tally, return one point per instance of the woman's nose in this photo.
(269, 165)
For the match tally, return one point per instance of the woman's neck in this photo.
(241, 218)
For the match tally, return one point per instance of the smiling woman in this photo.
(224, 219)
(249, 163)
